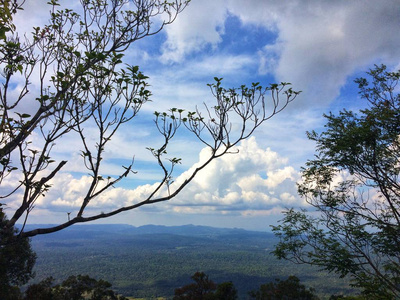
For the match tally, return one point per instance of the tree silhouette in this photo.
(82, 83)
(16, 260)
(205, 289)
(353, 185)
(289, 289)
(226, 291)
(73, 288)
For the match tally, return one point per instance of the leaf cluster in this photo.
(353, 186)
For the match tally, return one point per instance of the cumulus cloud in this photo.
(254, 179)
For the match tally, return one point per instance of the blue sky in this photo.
(318, 46)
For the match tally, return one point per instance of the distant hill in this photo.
(192, 230)
(152, 260)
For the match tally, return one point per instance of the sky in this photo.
(318, 46)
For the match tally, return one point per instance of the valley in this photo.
(151, 261)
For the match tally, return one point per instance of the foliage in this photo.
(289, 289)
(73, 288)
(7, 9)
(202, 288)
(353, 185)
(41, 290)
(226, 291)
(16, 260)
(205, 289)
(82, 83)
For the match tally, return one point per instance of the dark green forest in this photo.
(151, 261)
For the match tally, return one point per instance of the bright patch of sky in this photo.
(318, 46)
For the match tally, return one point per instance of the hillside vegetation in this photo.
(151, 261)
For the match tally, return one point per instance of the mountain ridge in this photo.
(188, 229)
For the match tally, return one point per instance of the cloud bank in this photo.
(254, 179)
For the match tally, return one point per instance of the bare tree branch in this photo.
(83, 82)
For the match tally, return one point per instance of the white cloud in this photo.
(253, 179)
(276, 177)
(269, 57)
(67, 194)
(192, 30)
(319, 43)
(235, 182)
(222, 64)
(314, 44)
